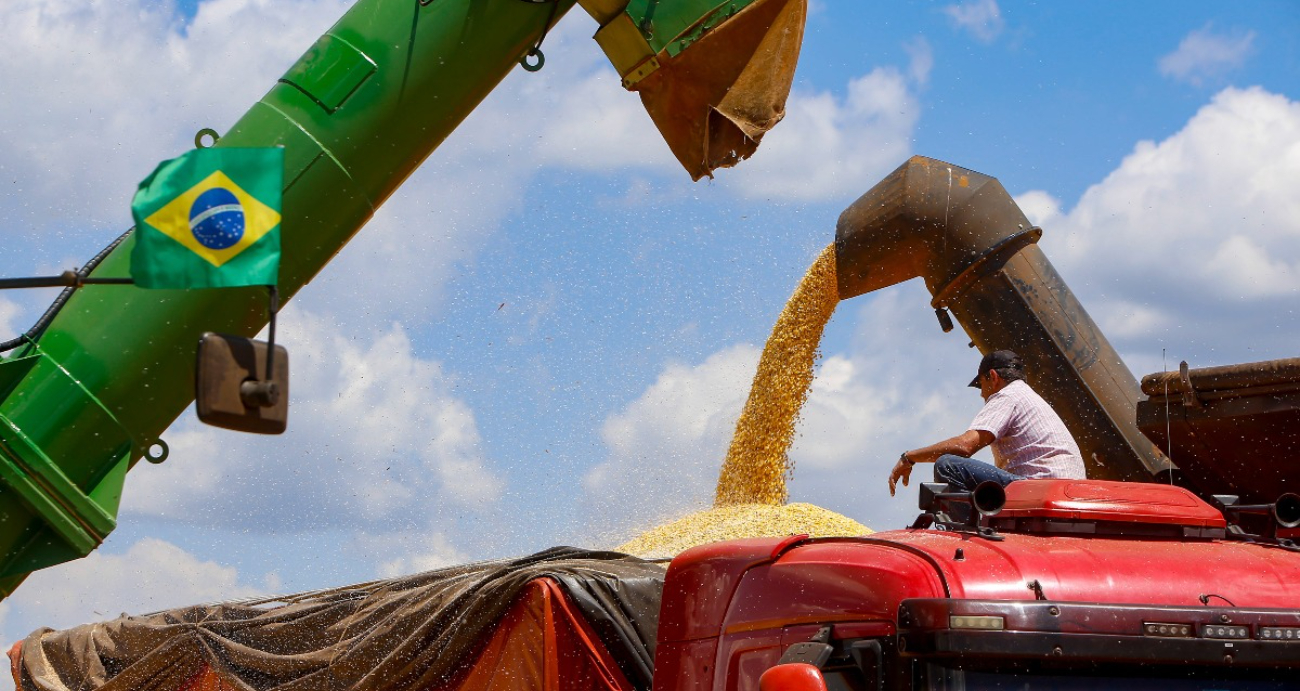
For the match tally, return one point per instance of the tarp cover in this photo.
(542, 643)
(714, 101)
(416, 632)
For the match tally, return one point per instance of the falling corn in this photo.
(751, 493)
(758, 461)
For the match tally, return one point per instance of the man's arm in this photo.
(966, 444)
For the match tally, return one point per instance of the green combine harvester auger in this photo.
(90, 388)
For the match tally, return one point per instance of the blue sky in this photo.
(554, 329)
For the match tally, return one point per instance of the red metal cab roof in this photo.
(1101, 500)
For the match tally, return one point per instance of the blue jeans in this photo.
(963, 474)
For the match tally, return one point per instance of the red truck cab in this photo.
(1071, 584)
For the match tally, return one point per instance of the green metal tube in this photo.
(356, 115)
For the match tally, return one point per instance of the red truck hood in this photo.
(752, 584)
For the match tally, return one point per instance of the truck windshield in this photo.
(941, 678)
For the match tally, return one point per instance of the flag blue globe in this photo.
(217, 219)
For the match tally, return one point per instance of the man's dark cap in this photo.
(998, 359)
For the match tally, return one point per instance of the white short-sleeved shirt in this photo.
(1029, 438)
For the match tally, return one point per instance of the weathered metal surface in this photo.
(960, 232)
(714, 100)
(1225, 378)
(1234, 430)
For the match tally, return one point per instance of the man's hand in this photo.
(903, 470)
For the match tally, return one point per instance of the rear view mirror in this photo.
(231, 389)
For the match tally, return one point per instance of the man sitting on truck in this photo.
(1028, 438)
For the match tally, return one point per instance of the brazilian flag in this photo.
(209, 219)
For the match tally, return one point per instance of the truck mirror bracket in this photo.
(815, 651)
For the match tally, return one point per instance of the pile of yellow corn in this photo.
(739, 521)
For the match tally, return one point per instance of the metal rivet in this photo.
(1057, 652)
(1054, 611)
(538, 59)
(157, 456)
(205, 138)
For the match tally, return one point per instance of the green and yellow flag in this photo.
(209, 218)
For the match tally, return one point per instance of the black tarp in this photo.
(415, 632)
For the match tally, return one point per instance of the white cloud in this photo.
(982, 19)
(1124, 319)
(89, 128)
(417, 552)
(844, 412)
(374, 433)
(1040, 207)
(9, 319)
(831, 147)
(666, 447)
(1204, 205)
(1247, 269)
(593, 123)
(151, 575)
(920, 60)
(426, 234)
(1192, 243)
(1204, 54)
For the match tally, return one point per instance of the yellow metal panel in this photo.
(623, 44)
(645, 69)
(603, 10)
